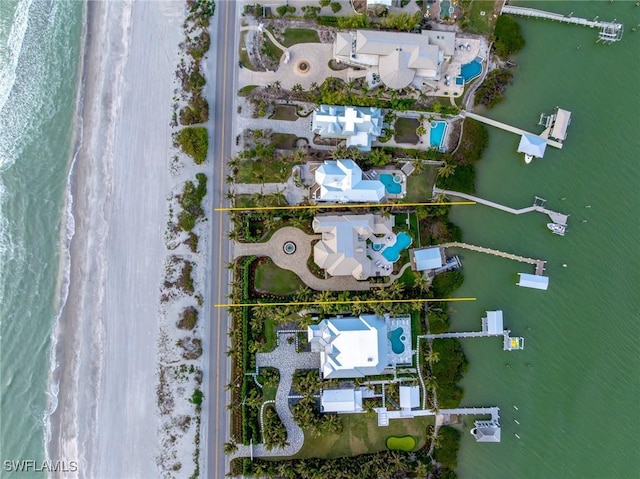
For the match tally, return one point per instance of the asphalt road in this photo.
(223, 79)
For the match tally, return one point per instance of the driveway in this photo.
(297, 262)
(315, 55)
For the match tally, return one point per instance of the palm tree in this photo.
(421, 282)
(230, 447)
(446, 170)
(296, 88)
(340, 153)
(432, 356)
(229, 179)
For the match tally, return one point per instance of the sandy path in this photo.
(106, 417)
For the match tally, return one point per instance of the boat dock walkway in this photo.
(613, 28)
(558, 218)
(384, 415)
(474, 334)
(539, 264)
(509, 128)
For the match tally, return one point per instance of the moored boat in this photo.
(557, 228)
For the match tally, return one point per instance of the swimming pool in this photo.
(376, 246)
(436, 135)
(397, 337)
(445, 6)
(471, 70)
(392, 185)
(392, 253)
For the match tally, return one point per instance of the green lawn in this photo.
(408, 278)
(270, 49)
(481, 24)
(420, 186)
(406, 130)
(270, 337)
(272, 279)
(361, 435)
(285, 112)
(245, 90)
(404, 443)
(260, 171)
(244, 56)
(299, 35)
(284, 141)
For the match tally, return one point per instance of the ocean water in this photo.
(39, 53)
(577, 383)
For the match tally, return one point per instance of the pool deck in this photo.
(405, 324)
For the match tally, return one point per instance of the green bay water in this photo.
(577, 383)
(39, 52)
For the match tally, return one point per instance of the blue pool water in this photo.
(392, 253)
(445, 5)
(437, 133)
(459, 81)
(471, 70)
(376, 246)
(391, 186)
(395, 337)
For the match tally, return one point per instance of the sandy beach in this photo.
(106, 343)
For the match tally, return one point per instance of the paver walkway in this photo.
(297, 262)
(286, 360)
(316, 55)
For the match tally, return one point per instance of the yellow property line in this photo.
(342, 205)
(358, 301)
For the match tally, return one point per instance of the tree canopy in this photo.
(508, 35)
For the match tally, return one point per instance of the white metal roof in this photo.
(494, 322)
(350, 347)
(560, 125)
(341, 181)
(533, 281)
(341, 400)
(409, 397)
(532, 145)
(427, 258)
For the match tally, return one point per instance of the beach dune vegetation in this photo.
(194, 141)
(188, 318)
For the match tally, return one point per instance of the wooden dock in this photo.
(509, 128)
(555, 216)
(609, 31)
(538, 263)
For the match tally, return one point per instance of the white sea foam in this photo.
(9, 57)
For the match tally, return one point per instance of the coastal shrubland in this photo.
(491, 91)
(194, 141)
(446, 283)
(190, 200)
(473, 143)
(446, 450)
(180, 376)
(508, 37)
(188, 318)
(448, 371)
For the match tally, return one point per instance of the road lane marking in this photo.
(221, 239)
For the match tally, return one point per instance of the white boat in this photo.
(528, 158)
(557, 228)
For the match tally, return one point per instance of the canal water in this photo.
(571, 396)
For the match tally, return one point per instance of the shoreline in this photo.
(104, 349)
